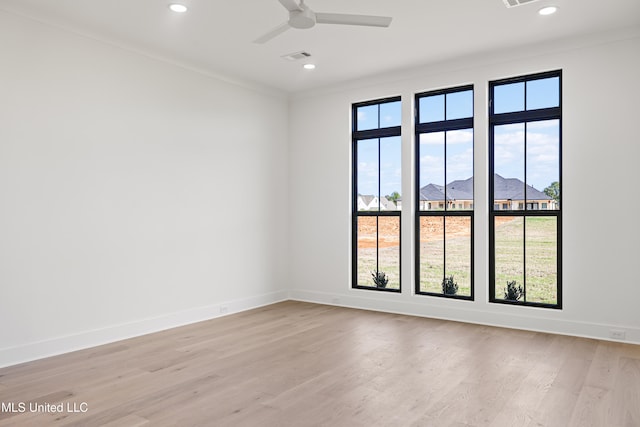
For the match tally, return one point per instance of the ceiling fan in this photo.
(301, 17)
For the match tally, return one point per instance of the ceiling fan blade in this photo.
(290, 5)
(273, 33)
(343, 19)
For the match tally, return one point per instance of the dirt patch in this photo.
(388, 231)
(431, 229)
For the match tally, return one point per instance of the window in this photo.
(376, 195)
(525, 143)
(444, 178)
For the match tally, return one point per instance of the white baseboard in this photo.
(87, 339)
(461, 311)
(499, 315)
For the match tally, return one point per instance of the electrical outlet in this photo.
(224, 309)
(618, 334)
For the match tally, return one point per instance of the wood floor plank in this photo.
(556, 409)
(591, 407)
(302, 364)
(128, 421)
(625, 394)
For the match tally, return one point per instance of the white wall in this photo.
(600, 273)
(128, 193)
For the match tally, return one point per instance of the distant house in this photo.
(367, 203)
(370, 203)
(459, 196)
(509, 195)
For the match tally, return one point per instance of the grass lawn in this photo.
(536, 259)
(379, 236)
(438, 259)
(389, 264)
(458, 264)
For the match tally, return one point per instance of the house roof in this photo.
(460, 189)
(366, 199)
(514, 189)
(505, 189)
(385, 203)
(432, 192)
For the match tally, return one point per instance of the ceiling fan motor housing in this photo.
(302, 19)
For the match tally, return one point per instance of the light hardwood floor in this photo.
(300, 364)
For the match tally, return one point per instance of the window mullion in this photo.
(526, 207)
(524, 257)
(446, 204)
(379, 204)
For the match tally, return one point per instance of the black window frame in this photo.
(358, 135)
(524, 116)
(431, 127)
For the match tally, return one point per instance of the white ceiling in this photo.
(216, 35)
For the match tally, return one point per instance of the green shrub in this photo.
(380, 279)
(449, 287)
(513, 292)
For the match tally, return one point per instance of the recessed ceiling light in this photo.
(180, 8)
(549, 10)
(309, 66)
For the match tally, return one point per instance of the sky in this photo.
(542, 140)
